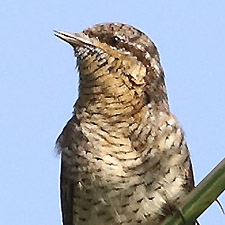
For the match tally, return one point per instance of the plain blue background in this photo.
(39, 87)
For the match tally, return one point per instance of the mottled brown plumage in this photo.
(124, 157)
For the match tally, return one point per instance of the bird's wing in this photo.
(66, 194)
(189, 178)
(67, 145)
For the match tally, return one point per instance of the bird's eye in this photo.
(115, 40)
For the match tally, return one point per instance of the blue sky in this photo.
(39, 87)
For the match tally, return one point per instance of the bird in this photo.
(124, 157)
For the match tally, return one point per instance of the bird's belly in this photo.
(134, 196)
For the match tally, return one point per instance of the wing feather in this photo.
(67, 144)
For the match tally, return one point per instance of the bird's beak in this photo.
(75, 39)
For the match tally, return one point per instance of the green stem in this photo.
(201, 197)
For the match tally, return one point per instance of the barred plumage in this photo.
(124, 157)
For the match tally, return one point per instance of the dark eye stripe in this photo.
(131, 37)
(114, 41)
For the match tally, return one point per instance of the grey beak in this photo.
(75, 39)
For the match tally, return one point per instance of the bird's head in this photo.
(116, 58)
